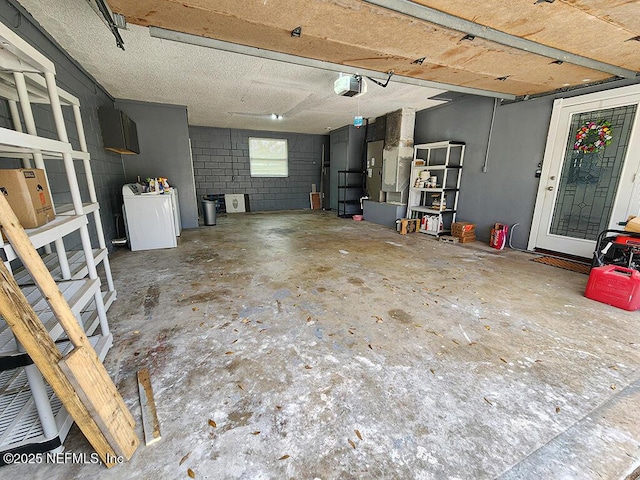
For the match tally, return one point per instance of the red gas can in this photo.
(614, 285)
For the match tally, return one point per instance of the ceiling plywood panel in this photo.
(331, 31)
(622, 13)
(598, 29)
(212, 83)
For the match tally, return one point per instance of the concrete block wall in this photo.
(108, 172)
(221, 165)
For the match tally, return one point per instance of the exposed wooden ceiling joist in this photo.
(422, 12)
(361, 35)
(187, 38)
(598, 29)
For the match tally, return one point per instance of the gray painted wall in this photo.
(221, 165)
(107, 167)
(163, 135)
(506, 192)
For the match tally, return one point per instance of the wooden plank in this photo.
(32, 261)
(328, 35)
(33, 336)
(97, 392)
(591, 28)
(314, 198)
(150, 422)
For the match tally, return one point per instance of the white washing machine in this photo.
(152, 219)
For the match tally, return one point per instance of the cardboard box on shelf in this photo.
(461, 229)
(26, 191)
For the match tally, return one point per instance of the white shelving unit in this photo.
(435, 203)
(32, 419)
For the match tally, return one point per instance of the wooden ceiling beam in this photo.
(359, 35)
(600, 29)
(422, 12)
(311, 62)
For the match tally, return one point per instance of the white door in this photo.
(587, 186)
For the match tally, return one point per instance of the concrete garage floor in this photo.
(332, 349)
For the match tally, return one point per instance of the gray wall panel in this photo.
(163, 135)
(506, 192)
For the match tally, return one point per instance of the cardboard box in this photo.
(461, 229)
(633, 224)
(407, 225)
(467, 239)
(26, 191)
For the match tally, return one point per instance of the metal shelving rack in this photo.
(32, 419)
(438, 203)
(348, 183)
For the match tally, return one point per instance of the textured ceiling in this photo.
(219, 88)
(232, 90)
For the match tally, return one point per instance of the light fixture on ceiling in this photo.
(275, 116)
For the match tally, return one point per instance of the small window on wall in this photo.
(268, 157)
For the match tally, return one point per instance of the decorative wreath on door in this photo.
(593, 136)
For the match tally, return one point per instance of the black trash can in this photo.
(209, 211)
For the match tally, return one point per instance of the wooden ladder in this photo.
(79, 379)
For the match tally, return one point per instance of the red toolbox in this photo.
(615, 285)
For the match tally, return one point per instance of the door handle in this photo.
(550, 188)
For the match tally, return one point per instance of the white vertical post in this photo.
(15, 115)
(30, 124)
(58, 118)
(17, 126)
(92, 195)
(80, 128)
(41, 399)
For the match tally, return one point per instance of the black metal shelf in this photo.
(347, 190)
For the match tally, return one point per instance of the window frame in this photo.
(270, 174)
